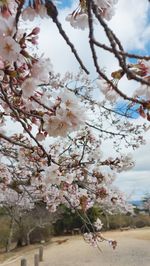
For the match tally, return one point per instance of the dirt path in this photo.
(133, 250)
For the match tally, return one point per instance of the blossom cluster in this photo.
(79, 18)
(74, 177)
(139, 70)
(57, 157)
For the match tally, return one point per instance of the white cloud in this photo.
(131, 23)
(142, 158)
(134, 183)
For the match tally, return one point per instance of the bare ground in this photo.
(133, 250)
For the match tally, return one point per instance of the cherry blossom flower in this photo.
(98, 224)
(113, 243)
(40, 136)
(9, 49)
(69, 116)
(51, 175)
(80, 21)
(107, 90)
(7, 26)
(73, 111)
(68, 178)
(30, 13)
(90, 239)
(5, 175)
(68, 99)
(54, 126)
(28, 87)
(41, 69)
(144, 67)
(79, 18)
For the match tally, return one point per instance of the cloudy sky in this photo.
(132, 27)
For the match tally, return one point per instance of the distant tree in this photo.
(146, 203)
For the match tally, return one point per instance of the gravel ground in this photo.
(133, 250)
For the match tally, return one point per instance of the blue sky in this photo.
(65, 3)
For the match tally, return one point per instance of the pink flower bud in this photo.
(34, 40)
(35, 31)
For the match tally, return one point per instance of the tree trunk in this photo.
(19, 242)
(28, 239)
(28, 235)
(9, 240)
(107, 221)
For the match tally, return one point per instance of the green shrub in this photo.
(4, 230)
